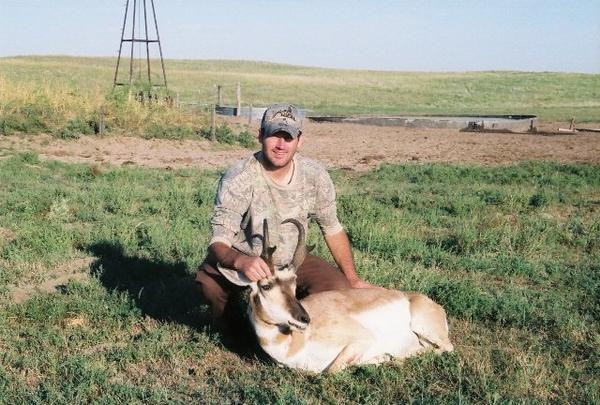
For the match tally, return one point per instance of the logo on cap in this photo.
(287, 113)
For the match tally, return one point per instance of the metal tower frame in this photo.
(133, 40)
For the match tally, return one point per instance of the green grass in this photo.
(57, 94)
(511, 252)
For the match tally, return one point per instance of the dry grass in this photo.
(62, 95)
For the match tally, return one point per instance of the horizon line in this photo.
(301, 66)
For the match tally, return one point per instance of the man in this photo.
(275, 184)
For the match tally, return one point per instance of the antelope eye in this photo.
(266, 287)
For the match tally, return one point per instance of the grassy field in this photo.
(63, 95)
(512, 253)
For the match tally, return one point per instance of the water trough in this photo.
(497, 122)
(511, 122)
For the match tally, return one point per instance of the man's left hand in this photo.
(360, 283)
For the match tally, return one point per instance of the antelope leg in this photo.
(350, 354)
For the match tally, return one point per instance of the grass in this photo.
(57, 94)
(511, 252)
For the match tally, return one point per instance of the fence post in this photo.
(213, 123)
(238, 94)
(101, 122)
(219, 94)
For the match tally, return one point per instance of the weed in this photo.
(247, 140)
(29, 117)
(224, 134)
(538, 199)
(155, 130)
(491, 197)
(75, 128)
(28, 157)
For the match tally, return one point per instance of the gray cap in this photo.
(281, 118)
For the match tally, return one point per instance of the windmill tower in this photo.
(137, 74)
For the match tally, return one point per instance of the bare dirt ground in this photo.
(349, 146)
(50, 281)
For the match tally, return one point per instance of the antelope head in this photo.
(273, 299)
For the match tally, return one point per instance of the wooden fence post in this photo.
(101, 122)
(238, 94)
(219, 94)
(213, 124)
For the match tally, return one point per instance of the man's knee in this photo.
(316, 275)
(223, 298)
(212, 290)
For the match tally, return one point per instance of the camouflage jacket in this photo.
(246, 195)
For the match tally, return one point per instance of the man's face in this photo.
(279, 148)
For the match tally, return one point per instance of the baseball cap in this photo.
(281, 118)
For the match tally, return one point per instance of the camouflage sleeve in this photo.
(231, 203)
(325, 206)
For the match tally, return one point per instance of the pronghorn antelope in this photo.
(331, 330)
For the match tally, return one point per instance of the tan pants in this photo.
(314, 275)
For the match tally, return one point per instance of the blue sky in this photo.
(424, 35)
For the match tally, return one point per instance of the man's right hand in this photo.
(252, 267)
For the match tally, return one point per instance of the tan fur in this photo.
(334, 324)
(350, 301)
(298, 342)
(331, 322)
(429, 321)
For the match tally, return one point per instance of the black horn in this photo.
(267, 251)
(301, 251)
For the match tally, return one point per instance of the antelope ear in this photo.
(288, 271)
(234, 276)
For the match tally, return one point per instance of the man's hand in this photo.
(360, 283)
(252, 267)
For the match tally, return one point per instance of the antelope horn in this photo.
(300, 252)
(267, 251)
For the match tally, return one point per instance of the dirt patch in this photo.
(74, 270)
(6, 235)
(350, 146)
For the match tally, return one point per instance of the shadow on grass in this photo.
(164, 291)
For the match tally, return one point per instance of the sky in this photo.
(402, 35)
